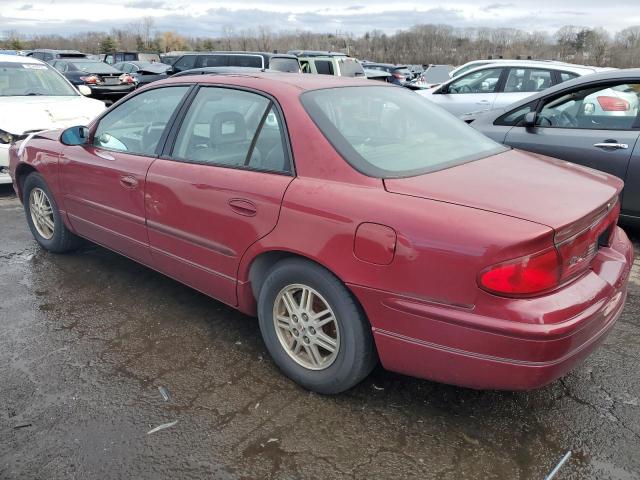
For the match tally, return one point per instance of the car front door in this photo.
(595, 126)
(103, 181)
(471, 93)
(217, 188)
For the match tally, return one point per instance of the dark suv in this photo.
(400, 74)
(48, 55)
(273, 61)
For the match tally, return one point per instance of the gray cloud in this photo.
(148, 4)
(26, 6)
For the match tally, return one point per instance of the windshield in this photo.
(94, 67)
(283, 64)
(389, 132)
(24, 79)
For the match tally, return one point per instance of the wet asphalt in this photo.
(88, 338)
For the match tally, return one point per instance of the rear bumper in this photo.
(463, 346)
(110, 92)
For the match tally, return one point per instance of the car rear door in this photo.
(217, 188)
(521, 83)
(103, 182)
(592, 125)
(471, 93)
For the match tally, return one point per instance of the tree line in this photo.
(420, 44)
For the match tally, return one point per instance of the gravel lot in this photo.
(89, 337)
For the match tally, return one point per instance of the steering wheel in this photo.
(464, 89)
(567, 120)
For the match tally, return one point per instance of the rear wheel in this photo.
(43, 217)
(314, 330)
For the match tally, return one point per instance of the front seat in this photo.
(229, 138)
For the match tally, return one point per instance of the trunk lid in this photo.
(563, 196)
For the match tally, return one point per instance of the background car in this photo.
(144, 73)
(48, 55)
(498, 85)
(35, 97)
(274, 61)
(591, 121)
(106, 83)
(117, 57)
(338, 65)
(380, 75)
(357, 220)
(222, 71)
(400, 73)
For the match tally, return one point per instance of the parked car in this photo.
(400, 73)
(105, 82)
(432, 76)
(358, 221)
(170, 57)
(118, 57)
(381, 75)
(223, 71)
(274, 61)
(498, 85)
(48, 55)
(591, 121)
(144, 73)
(35, 97)
(316, 53)
(341, 66)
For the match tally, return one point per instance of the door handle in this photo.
(242, 206)
(611, 146)
(128, 181)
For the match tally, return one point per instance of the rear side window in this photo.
(324, 67)
(564, 76)
(186, 62)
(212, 61)
(351, 68)
(254, 61)
(281, 64)
(137, 125)
(232, 128)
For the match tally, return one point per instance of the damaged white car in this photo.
(35, 97)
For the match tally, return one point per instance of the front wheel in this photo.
(44, 217)
(313, 328)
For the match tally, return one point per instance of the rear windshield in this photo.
(281, 64)
(351, 68)
(388, 132)
(94, 67)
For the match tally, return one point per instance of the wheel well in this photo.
(22, 172)
(262, 264)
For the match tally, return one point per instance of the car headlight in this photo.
(5, 137)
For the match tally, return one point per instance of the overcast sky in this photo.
(208, 18)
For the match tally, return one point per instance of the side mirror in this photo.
(530, 120)
(84, 90)
(75, 136)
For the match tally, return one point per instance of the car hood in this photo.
(531, 187)
(19, 115)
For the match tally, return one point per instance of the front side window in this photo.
(603, 107)
(233, 128)
(484, 81)
(565, 76)
(388, 132)
(515, 117)
(31, 79)
(527, 80)
(137, 125)
(324, 67)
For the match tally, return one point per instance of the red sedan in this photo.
(357, 220)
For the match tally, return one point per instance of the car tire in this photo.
(38, 200)
(353, 356)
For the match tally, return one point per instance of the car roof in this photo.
(19, 59)
(549, 65)
(600, 77)
(274, 82)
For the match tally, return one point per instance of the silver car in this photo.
(500, 84)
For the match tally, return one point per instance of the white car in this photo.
(498, 85)
(35, 97)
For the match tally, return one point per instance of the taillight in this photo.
(126, 78)
(613, 104)
(523, 276)
(91, 80)
(399, 76)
